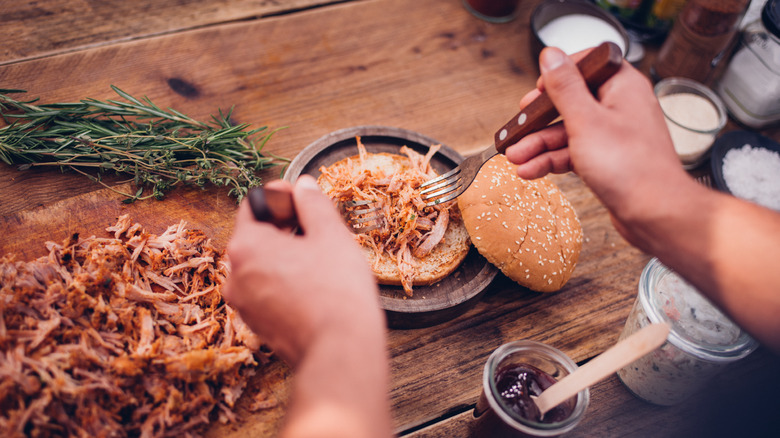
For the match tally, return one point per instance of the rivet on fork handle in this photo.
(596, 67)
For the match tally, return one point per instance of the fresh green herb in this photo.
(135, 138)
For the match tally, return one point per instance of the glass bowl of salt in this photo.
(694, 116)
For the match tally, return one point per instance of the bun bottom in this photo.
(441, 262)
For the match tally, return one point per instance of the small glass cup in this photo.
(694, 116)
(493, 418)
(494, 11)
(702, 341)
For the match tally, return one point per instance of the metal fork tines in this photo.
(596, 67)
(452, 184)
(362, 216)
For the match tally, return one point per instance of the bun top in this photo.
(526, 228)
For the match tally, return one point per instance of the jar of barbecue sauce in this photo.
(494, 11)
(513, 373)
(702, 36)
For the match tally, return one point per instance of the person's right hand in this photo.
(617, 143)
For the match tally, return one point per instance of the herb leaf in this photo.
(136, 138)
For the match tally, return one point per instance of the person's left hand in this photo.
(292, 288)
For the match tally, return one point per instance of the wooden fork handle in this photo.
(273, 206)
(596, 67)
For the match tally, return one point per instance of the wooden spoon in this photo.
(619, 355)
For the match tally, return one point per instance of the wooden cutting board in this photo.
(212, 211)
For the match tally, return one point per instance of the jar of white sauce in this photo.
(575, 32)
(694, 116)
(750, 86)
(702, 341)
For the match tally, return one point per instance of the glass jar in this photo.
(694, 116)
(701, 342)
(750, 86)
(701, 37)
(495, 418)
(494, 11)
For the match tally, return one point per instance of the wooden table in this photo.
(316, 66)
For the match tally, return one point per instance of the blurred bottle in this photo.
(645, 20)
(702, 36)
(750, 86)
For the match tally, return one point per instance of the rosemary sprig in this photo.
(154, 147)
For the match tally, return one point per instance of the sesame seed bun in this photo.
(526, 228)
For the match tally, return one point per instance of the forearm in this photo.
(727, 248)
(340, 387)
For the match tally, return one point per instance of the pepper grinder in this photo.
(702, 36)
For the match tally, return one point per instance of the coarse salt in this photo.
(753, 173)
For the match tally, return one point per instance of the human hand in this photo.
(291, 288)
(617, 143)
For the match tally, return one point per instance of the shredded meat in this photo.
(122, 336)
(410, 230)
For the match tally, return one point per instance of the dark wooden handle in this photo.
(273, 206)
(596, 67)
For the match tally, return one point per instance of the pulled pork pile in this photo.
(123, 336)
(410, 229)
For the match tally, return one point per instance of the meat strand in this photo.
(121, 336)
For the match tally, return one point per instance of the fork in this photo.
(596, 67)
(276, 207)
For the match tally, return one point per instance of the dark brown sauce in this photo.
(494, 8)
(516, 383)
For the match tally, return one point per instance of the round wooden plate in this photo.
(430, 304)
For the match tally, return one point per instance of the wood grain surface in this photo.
(315, 67)
(39, 28)
(410, 72)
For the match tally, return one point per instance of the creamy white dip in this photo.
(576, 32)
(702, 340)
